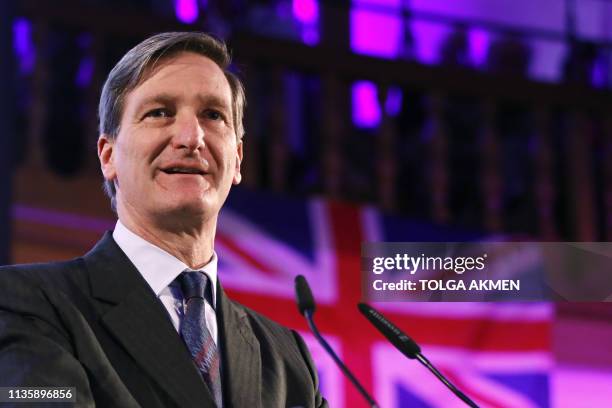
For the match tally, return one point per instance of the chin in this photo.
(189, 210)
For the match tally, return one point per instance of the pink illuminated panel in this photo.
(366, 110)
(186, 10)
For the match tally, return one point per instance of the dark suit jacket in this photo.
(94, 323)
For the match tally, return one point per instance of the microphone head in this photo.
(397, 337)
(305, 301)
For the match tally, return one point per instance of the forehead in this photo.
(181, 74)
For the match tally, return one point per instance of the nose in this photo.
(188, 133)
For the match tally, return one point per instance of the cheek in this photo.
(230, 164)
(223, 153)
(129, 169)
(135, 155)
(124, 162)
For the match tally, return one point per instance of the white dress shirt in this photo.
(160, 269)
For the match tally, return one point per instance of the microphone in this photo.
(305, 301)
(399, 339)
(408, 347)
(306, 306)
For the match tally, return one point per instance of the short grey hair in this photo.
(138, 62)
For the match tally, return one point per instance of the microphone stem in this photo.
(326, 346)
(441, 377)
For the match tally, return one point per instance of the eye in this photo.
(214, 115)
(158, 113)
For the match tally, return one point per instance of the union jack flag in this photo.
(499, 354)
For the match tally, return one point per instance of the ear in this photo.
(105, 154)
(237, 175)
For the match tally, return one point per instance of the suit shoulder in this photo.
(38, 274)
(38, 267)
(27, 284)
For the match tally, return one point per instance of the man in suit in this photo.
(142, 320)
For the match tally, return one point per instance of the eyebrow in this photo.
(165, 98)
(215, 101)
(158, 98)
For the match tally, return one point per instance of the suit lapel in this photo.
(138, 320)
(241, 356)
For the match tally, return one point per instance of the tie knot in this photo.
(194, 284)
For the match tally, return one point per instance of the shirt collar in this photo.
(158, 267)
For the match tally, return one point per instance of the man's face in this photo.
(176, 153)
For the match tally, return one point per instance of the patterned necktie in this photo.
(198, 339)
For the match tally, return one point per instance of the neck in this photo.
(191, 241)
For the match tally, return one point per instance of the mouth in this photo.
(184, 170)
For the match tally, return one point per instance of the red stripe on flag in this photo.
(347, 235)
(482, 334)
(485, 333)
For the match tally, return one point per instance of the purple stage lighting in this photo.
(186, 10)
(599, 76)
(479, 41)
(366, 110)
(428, 40)
(375, 33)
(85, 72)
(393, 103)
(310, 35)
(23, 46)
(306, 11)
